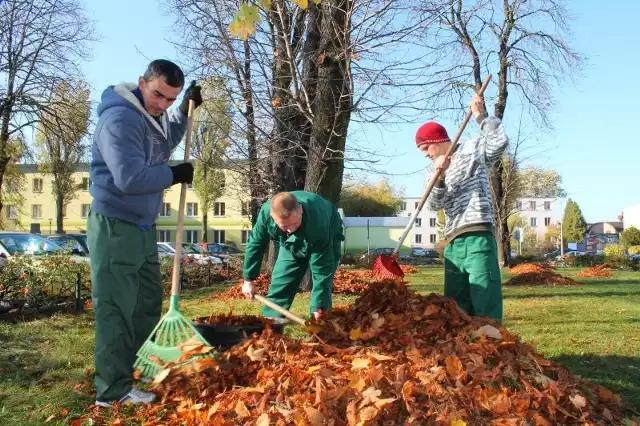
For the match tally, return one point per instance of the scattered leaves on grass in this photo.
(600, 271)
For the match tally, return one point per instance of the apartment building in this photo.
(424, 233)
(540, 213)
(31, 207)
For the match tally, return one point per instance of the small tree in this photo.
(630, 237)
(552, 236)
(573, 224)
(60, 141)
(374, 200)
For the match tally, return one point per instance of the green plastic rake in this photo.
(173, 329)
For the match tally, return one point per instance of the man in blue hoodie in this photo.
(132, 143)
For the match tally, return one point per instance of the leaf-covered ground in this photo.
(592, 329)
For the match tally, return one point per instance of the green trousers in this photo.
(287, 275)
(127, 299)
(472, 274)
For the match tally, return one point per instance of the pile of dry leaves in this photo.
(261, 283)
(525, 268)
(393, 358)
(541, 278)
(230, 319)
(599, 271)
(409, 270)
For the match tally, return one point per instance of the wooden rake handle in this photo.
(293, 317)
(177, 261)
(436, 176)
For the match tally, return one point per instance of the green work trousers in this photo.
(127, 299)
(472, 274)
(287, 275)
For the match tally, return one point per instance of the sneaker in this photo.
(134, 397)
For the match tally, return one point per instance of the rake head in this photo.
(163, 345)
(386, 267)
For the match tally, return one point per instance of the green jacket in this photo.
(318, 239)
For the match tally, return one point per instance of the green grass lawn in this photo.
(46, 364)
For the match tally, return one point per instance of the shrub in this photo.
(633, 250)
(615, 250)
(35, 280)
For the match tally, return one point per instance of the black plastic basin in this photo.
(223, 337)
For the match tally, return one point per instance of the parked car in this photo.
(75, 243)
(24, 243)
(421, 252)
(224, 251)
(188, 252)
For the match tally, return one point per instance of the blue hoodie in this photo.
(130, 154)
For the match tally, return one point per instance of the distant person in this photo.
(308, 229)
(472, 272)
(132, 144)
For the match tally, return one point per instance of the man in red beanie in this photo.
(472, 273)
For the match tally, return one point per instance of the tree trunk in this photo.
(5, 117)
(332, 102)
(59, 215)
(205, 226)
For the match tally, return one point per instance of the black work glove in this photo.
(193, 92)
(182, 173)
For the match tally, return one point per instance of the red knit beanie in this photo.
(430, 133)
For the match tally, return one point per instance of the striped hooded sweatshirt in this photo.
(465, 194)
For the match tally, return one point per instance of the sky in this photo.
(593, 145)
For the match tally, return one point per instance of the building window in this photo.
(432, 238)
(191, 236)
(37, 185)
(245, 208)
(84, 210)
(547, 221)
(415, 205)
(418, 238)
(223, 182)
(192, 209)
(11, 212)
(533, 222)
(165, 211)
(164, 236)
(86, 183)
(547, 205)
(418, 222)
(36, 211)
(518, 205)
(532, 205)
(218, 209)
(403, 206)
(218, 237)
(432, 222)
(245, 236)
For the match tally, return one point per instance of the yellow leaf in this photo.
(316, 1)
(303, 4)
(356, 382)
(313, 328)
(263, 420)
(355, 334)
(578, 401)
(255, 354)
(367, 413)
(314, 368)
(266, 4)
(359, 363)
(241, 409)
(380, 357)
(243, 24)
(315, 417)
(458, 422)
(253, 390)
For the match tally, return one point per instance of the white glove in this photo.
(248, 289)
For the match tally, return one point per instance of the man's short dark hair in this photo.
(170, 72)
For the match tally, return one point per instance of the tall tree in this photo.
(42, 43)
(12, 195)
(212, 126)
(630, 236)
(523, 42)
(573, 224)
(370, 200)
(537, 182)
(60, 141)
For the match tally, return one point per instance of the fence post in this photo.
(78, 295)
